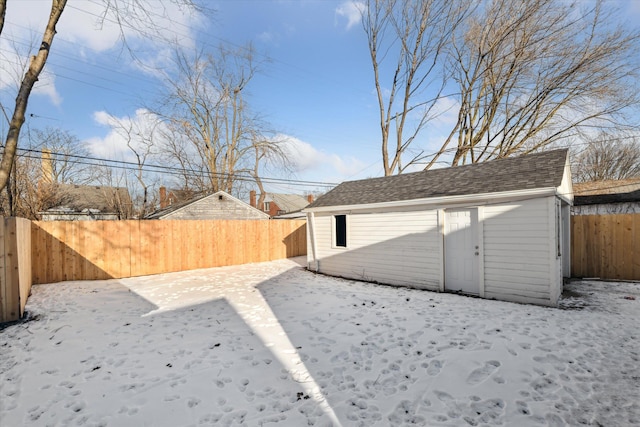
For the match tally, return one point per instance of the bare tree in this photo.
(142, 140)
(54, 157)
(36, 66)
(66, 152)
(523, 74)
(412, 35)
(127, 13)
(270, 153)
(535, 73)
(27, 194)
(115, 191)
(608, 157)
(213, 133)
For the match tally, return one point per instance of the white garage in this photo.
(497, 230)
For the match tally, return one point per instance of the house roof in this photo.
(182, 195)
(533, 171)
(176, 206)
(609, 191)
(287, 202)
(80, 197)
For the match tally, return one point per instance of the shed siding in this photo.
(213, 208)
(517, 251)
(399, 248)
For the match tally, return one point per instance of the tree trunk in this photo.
(36, 66)
(3, 11)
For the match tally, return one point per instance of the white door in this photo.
(461, 251)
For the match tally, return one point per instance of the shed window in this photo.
(341, 231)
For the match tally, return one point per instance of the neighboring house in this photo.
(219, 205)
(170, 197)
(86, 203)
(276, 204)
(606, 197)
(499, 229)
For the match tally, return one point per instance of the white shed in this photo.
(497, 230)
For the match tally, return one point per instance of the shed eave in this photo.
(467, 199)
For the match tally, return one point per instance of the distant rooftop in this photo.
(79, 198)
(609, 191)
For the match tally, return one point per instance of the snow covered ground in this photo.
(270, 343)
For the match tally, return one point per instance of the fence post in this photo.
(5, 289)
(15, 267)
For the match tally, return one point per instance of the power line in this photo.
(152, 168)
(202, 41)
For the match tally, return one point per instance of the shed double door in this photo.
(461, 251)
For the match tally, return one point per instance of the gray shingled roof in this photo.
(80, 197)
(288, 202)
(175, 206)
(611, 191)
(539, 170)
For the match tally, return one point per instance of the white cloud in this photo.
(352, 10)
(46, 86)
(267, 37)
(83, 24)
(300, 153)
(318, 165)
(445, 111)
(13, 65)
(82, 30)
(132, 129)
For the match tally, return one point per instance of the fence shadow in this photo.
(58, 254)
(83, 250)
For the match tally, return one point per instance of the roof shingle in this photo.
(610, 191)
(539, 170)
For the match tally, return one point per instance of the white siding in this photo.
(399, 248)
(216, 206)
(517, 251)
(565, 191)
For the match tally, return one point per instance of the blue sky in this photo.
(317, 90)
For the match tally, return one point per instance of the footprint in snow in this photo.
(479, 375)
(554, 420)
(522, 407)
(443, 397)
(434, 368)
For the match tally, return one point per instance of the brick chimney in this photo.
(310, 198)
(252, 198)
(47, 167)
(163, 197)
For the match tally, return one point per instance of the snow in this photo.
(274, 344)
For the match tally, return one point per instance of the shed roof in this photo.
(533, 171)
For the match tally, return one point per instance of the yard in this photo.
(271, 343)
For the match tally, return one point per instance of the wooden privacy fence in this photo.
(15, 267)
(89, 250)
(606, 246)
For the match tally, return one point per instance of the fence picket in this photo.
(88, 250)
(606, 246)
